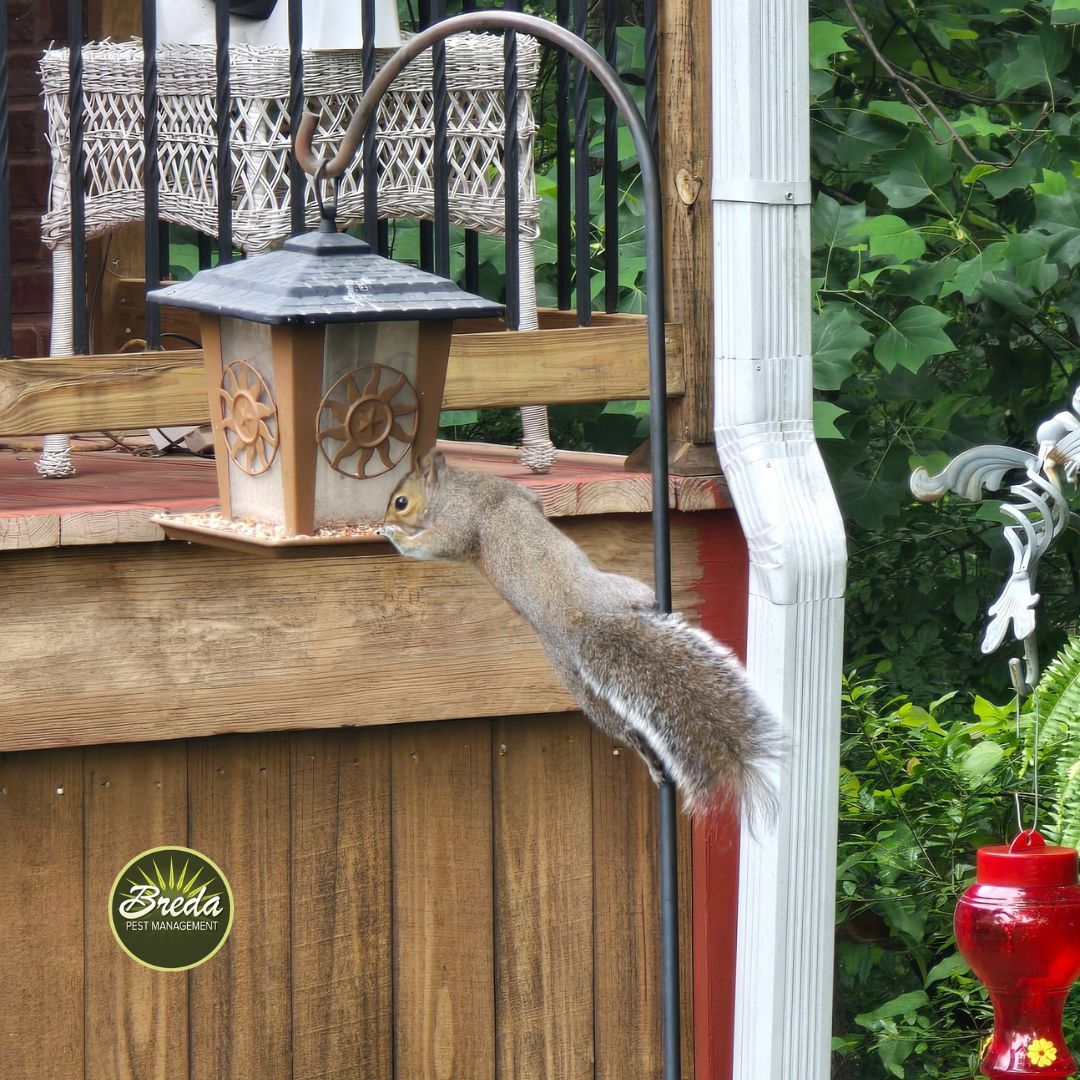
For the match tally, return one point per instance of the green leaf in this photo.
(898, 1006)
(1026, 253)
(893, 236)
(1053, 183)
(895, 110)
(833, 225)
(914, 172)
(977, 172)
(974, 124)
(458, 417)
(1037, 59)
(837, 338)
(947, 968)
(825, 415)
(969, 274)
(984, 756)
(914, 336)
(826, 40)
(893, 1053)
(1065, 12)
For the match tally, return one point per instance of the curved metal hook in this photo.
(459, 24)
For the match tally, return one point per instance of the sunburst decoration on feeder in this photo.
(248, 418)
(377, 398)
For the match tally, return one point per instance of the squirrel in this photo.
(653, 681)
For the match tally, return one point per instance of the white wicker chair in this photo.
(187, 156)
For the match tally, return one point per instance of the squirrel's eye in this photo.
(401, 503)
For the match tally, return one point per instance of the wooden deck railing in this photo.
(564, 364)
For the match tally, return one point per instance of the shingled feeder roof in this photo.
(323, 277)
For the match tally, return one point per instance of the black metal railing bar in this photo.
(440, 165)
(223, 123)
(511, 175)
(297, 179)
(6, 319)
(582, 212)
(77, 171)
(151, 215)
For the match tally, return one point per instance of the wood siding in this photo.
(456, 901)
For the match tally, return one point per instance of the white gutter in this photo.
(765, 439)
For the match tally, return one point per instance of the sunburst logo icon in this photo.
(373, 412)
(171, 908)
(249, 418)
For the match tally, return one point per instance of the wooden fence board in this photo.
(241, 1021)
(136, 390)
(341, 969)
(41, 912)
(542, 770)
(442, 868)
(185, 641)
(626, 931)
(136, 1018)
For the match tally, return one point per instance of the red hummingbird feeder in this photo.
(1018, 927)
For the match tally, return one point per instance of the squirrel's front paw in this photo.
(402, 539)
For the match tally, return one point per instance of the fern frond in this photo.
(1059, 687)
(1058, 700)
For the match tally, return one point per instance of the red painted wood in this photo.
(105, 480)
(723, 590)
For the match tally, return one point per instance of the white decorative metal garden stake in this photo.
(1039, 506)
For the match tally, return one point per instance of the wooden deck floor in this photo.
(114, 494)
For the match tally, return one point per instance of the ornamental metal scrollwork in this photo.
(367, 406)
(1038, 505)
(249, 418)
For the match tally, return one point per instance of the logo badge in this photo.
(171, 908)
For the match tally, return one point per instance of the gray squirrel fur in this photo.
(652, 681)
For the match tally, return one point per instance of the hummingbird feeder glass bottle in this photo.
(1018, 927)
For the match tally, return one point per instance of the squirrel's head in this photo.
(428, 517)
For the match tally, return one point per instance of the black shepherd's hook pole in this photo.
(654, 284)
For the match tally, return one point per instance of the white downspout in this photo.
(765, 439)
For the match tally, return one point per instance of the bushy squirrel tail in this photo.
(704, 720)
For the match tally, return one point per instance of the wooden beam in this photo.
(487, 370)
(183, 641)
(607, 362)
(102, 393)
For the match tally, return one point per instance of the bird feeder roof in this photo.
(323, 277)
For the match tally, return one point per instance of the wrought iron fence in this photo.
(585, 245)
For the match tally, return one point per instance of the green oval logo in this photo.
(171, 908)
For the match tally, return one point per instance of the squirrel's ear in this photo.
(431, 466)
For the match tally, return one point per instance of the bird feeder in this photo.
(325, 365)
(1018, 927)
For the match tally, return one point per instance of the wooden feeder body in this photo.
(325, 367)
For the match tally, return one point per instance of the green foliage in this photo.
(920, 789)
(946, 236)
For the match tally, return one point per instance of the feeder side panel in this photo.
(245, 350)
(364, 407)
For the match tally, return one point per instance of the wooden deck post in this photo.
(685, 167)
